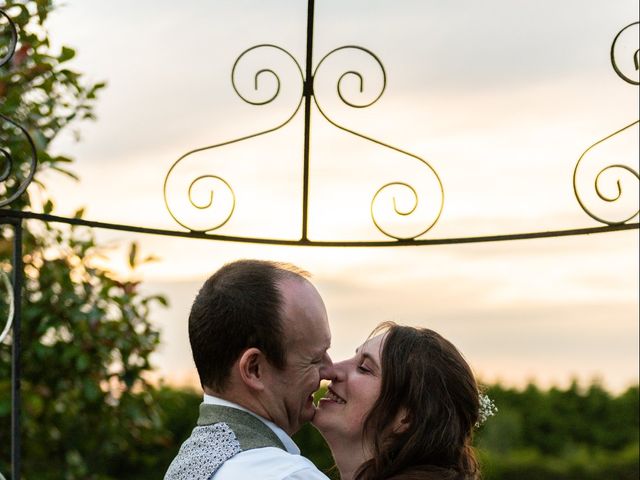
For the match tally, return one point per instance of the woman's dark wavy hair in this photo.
(426, 380)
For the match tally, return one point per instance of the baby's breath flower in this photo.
(487, 409)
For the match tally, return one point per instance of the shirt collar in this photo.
(286, 440)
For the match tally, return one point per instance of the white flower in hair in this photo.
(487, 409)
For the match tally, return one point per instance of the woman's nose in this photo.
(338, 371)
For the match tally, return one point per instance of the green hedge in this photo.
(592, 436)
(582, 464)
(558, 434)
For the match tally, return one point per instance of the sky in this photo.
(500, 98)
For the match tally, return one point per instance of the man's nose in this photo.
(327, 371)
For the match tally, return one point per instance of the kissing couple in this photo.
(403, 407)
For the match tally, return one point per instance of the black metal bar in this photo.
(15, 214)
(16, 352)
(308, 93)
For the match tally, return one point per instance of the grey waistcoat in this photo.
(222, 432)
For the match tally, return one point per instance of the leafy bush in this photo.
(86, 334)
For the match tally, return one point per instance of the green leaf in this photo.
(151, 258)
(23, 17)
(82, 362)
(61, 159)
(66, 54)
(133, 252)
(47, 208)
(161, 299)
(91, 390)
(40, 140)
(92, 93)
(66, 172)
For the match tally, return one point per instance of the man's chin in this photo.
(309, 410)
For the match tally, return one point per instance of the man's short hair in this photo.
(238, 307)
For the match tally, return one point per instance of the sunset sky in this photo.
(500, 97)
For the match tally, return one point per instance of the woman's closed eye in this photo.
(362, 368)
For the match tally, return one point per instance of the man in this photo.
(259, 336)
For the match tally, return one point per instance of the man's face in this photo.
(306, 338)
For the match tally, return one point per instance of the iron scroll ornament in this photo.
(6, 285)
(630, 59)
(206, 202)
(408, 189)
(205, 207)
(630, 30)
(13, 186)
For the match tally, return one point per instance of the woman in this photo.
(404, 407)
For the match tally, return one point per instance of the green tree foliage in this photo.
(560, 421)
(38, 92)
(571, 433)
(88, 412)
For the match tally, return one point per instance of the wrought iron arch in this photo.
(13, 184)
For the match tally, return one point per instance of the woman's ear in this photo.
(251, 368)
(402, 421)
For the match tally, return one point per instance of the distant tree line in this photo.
(561, 434)
(568, 433)
(565, 434)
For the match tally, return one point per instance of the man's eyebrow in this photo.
(323, 350)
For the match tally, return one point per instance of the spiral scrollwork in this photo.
(609, 178)
(15, 175)
(210, 184)
(385, 209)
(625, 54)
(375, 93)
(6, 284)
(208, 205)
(210, 200)
(377, 203)
(7, 161)
(263, 85)
(606, 202)
(393, 205)
(262, 73)
(612, 198)
(13, 40)
(18, 158)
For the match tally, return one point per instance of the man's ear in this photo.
(251, 366)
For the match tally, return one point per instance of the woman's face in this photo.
(351, 394)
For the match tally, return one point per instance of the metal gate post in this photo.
(17, 272)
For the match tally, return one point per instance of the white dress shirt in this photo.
(268, 463)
